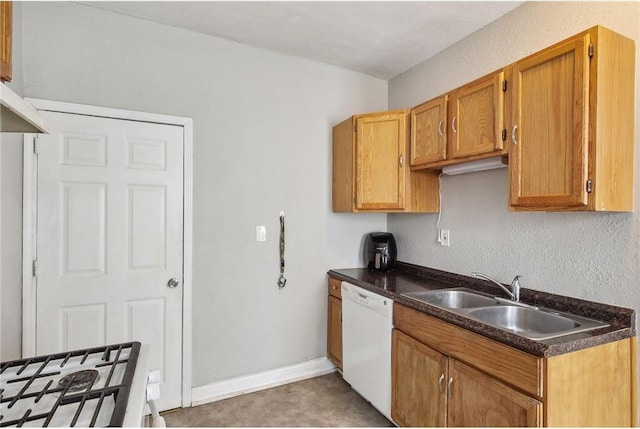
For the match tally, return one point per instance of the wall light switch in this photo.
(261, 233)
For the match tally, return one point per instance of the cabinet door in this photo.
(481, 401)
(477, 117)
(334, 331)
(548, 154)
(381, 143)
(418, 383)
(429, 132)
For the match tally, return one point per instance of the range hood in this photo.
(17, 115)
(473, 166)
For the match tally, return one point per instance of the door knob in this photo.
(172, 283)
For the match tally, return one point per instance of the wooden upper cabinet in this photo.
(476, 118)
(477, 400)
(466, 124)
(371, 167)
(6, 29)
(571, 128)
(429, 132)
(380, 155)
(549, 134)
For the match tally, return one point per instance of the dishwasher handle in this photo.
(364, 297)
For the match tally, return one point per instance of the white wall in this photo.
(11, 247)
(595, 256)
(262, 144)
(11, 218)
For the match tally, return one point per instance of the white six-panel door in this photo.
(110, 239)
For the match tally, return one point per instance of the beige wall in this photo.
(594, 256)
(11, 219)
(262, 129)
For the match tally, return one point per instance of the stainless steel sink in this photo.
(533, 324)
(529, 322)
(452, 298)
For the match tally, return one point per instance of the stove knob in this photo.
(172, 283)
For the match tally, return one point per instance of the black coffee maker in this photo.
(381, 251)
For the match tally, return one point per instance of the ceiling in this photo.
(379, 38)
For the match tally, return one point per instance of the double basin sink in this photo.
(530, 322)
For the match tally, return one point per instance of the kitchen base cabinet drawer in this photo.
(335, 287)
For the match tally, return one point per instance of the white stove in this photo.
(103, 386)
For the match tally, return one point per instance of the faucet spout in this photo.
(514, 293)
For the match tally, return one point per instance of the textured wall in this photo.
(262, 125)
(595, 256)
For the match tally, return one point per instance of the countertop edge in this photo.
(615, 332)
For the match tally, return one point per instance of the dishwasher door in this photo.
(367, 321)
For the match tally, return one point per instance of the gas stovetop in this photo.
(81, 388)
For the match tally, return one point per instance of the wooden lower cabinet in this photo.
(477, 400)
(430, 389)
(418, 380)
(334, 323)
(334, 343)
(489, 384)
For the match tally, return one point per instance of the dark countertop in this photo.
(410, 278)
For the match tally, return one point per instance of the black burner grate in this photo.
(77, 387)
(79, 380)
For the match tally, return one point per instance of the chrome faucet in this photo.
(514, 293)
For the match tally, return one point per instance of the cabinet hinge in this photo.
(589, 186)
(355, 128)
(591, 49)
(35, 145)
(34, 268)
(355, 200)
(504, 134)
(504, 85)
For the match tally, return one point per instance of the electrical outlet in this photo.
(444, 237)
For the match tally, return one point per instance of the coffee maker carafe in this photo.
(381, 251)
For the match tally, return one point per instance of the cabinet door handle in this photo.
(453, 125)
(440, 129)
(401, 160)
(513, 135)
(449, 387)
(440, 385)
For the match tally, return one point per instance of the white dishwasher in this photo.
(367, 321)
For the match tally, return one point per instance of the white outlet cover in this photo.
(444, 238)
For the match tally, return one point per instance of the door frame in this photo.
(29, 198)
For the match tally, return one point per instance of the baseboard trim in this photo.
(264, 380)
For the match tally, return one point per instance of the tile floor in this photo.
(326, 401)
